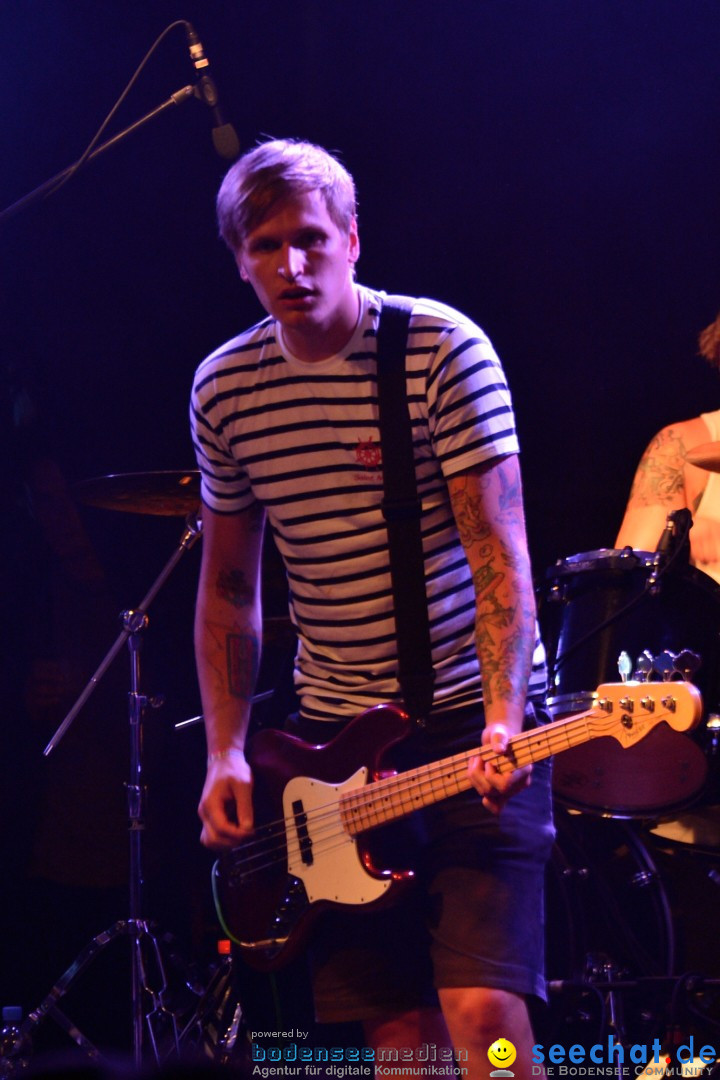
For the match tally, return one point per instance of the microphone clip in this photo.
(673, 544)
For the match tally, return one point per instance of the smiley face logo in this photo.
(502, 1053)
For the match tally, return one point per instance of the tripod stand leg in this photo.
(48, 1007)
(159, 1015)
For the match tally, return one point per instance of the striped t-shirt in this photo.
(302, 438)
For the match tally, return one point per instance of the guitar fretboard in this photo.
(394, 797)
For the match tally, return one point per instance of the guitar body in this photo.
(301, 860)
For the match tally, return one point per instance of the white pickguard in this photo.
(336, 871)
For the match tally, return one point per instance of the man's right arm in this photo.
(228, 638)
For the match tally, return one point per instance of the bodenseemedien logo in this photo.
(501, 1054)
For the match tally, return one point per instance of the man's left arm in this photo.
(488, 508)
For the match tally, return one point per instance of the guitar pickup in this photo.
(304, 841)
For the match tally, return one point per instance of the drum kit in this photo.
(632, 891)
(632, 886)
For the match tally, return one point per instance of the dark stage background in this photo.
(549, 166)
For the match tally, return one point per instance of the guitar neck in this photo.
(396, 796)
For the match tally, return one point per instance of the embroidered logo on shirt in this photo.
(368, 454)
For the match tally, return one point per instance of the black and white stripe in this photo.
(303, 438)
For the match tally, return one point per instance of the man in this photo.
(666, 480)
(285, 426)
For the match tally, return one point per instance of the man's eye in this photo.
(311, 239)
(262, 247)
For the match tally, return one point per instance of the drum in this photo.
(606, 901)
(608, 917)
(596, 605)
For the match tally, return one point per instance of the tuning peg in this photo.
(644, 666)
(687, 663)
(664, 664)
(624, 666)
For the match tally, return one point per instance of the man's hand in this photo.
(225, 808)
(496, 788)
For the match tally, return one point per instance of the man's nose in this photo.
(292, 263)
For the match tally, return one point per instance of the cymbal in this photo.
(167, 494)
(706, 456)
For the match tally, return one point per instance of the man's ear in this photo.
(353, 242)
(240, 266)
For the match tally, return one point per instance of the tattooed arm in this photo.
(487, 503)
(228, 635)
(663, 482)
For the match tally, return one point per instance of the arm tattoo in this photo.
(505, 610)
(503, 677)
(232, 586)
(243, 657)
(471, 527)
(660, 475)
(511, 503)
(487, 581)
(505, 624)
(468, 510)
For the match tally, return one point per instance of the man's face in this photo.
(300, 265)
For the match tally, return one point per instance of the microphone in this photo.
(674, 543)
(224, 138)
(677, 528)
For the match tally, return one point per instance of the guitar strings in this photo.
(406, 786)
(554, 737)
(395, 785)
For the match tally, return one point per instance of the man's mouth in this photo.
(295, 293)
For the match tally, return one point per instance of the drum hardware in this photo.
(157, 1023)
(266, 695)
(673, 544)
(217, 1023)
(621, 941)
(712, 727)
(628, 978)
(614, 994)
(666, 664)
(557, 595)
(610, 932)
(164, 494)
(605, 975)
(656, 563)
(596, 606)
(644, 878)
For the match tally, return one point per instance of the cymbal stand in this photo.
(604, 974)
(145, 947)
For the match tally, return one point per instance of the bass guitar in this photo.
(315, 805)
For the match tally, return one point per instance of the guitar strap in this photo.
(402, 510)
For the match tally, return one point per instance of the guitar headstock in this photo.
(629, 710)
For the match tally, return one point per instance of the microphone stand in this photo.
(136, 926)
(47, 188)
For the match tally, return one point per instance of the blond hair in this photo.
(274, 171)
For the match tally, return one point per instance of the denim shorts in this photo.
(474, 915)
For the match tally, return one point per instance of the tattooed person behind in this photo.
(665, 481)
(285, 425)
